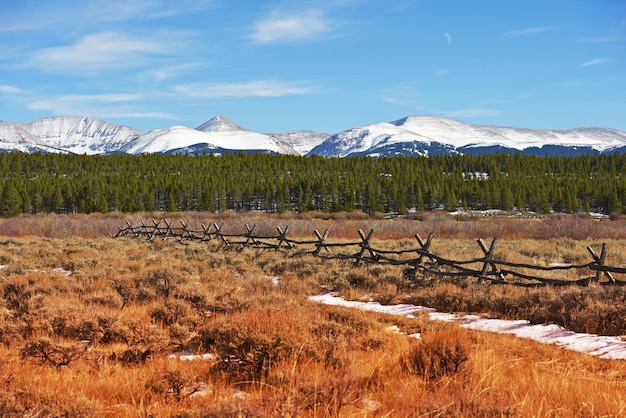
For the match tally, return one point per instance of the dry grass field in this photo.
(96, 326)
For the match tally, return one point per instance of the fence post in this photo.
(185, 230)
(424, 246)
(488, 263)
(206, 232)
(282, 238)
(131, 228)
(218, 233)
(146, 230)
(365, 245)
(249, 237)
(156, 230)
(168, 229)
(600, 262)
(120, 229)
(320, 243)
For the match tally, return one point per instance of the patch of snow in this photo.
(188, 355)
(394, 329)
(606, 347)
(275, 279)
(596, 215)
(201, 389)
(59, 270)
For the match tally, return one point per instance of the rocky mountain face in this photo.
(413, 135)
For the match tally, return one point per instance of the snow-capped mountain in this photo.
(423, 135)
(218, 135)
(74, 134)
(413, 135)
(221, 124)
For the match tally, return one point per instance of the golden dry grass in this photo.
(277, 354)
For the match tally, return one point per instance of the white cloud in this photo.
(106, 50)
(596, 61)
(403, 94)
(39, 16)
(471, 113)
(527, 31)
(76, 103)
(144, 9)
(448, 37)
(109, 113)
(259, 88)
(442, 71)
(171, 71)
(279, 27)
(116, 105)
(7, 89)
(397, 101)
(606, 39)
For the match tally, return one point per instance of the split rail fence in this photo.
(417, 260)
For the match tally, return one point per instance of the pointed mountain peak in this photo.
(220, 124)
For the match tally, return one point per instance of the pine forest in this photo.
(33, 183)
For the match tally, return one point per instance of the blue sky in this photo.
(324, 65)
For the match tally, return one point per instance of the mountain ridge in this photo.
(417, 135)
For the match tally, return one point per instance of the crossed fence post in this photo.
(488, 263)
(320, 243)
(600, 262)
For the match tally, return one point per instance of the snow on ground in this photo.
(595, 345)
(188, 355)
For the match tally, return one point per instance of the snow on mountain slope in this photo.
(69, 134)
(164, 140)
(12, 138)
(428, 134)
(461, 134)
(81, 135)
(370, 137)
(247, 140)
(220, 124)
(301, 141)
(218, 136)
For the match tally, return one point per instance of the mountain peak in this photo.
(220, 124)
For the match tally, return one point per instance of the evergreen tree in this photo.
(11, 204)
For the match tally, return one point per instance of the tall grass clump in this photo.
(439, 353)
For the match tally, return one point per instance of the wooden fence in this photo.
(416, 260)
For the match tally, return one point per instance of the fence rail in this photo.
(416, 260)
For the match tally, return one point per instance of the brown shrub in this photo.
(173, 312)
(54, 354)
(439, 353)
(245, 353)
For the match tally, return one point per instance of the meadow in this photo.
(96, 326)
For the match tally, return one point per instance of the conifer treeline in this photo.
(34, 183)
